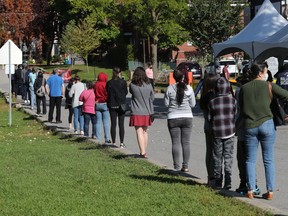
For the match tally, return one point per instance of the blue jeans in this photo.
(78, 118)
(33, 96)
(102, 114)
(87, 118)
(266, 135)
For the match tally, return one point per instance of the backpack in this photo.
(40, 92)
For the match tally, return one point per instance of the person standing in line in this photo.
(180, 99)
(149, 73)
(141, 107)
(27, 96)
(116, 95)
(77, 88)
(23, 89)
(102, 111)
(87, 97)
(32, 78)
(222, 109)
(254, 101)
(282, 80)
(18, 81)
(207, 94)
(39, 83)
(225, 71)
(68, 102)
(55, 89)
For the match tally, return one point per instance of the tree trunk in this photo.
(48, 54)
(86, 59)
(154, 47)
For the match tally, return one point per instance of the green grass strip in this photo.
(47, 174)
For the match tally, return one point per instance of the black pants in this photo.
(38, 103)
(55, 101)
(114, 113)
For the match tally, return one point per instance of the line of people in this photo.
(252, 123)
(101, 104)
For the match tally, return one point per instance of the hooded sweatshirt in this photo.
(222, 110)
(100, 88)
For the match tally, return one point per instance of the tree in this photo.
(14, 18)
(159, 19)
(80, 39)
(212, 21)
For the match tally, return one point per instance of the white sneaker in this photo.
(122, 145)
(82, 132)
(25, 101)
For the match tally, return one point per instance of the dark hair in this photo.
(40, 74)
(77, 77)
(181, 85)
(54, 70)
(209, 82)
(116, 72)
(256, 69)
(89, 85)
(139, 77)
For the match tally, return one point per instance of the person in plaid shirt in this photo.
(221, 114)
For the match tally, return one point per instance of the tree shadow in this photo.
(164, 180)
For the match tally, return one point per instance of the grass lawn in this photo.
(81, 70)
(49, 174)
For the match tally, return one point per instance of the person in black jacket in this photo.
(40, 83)
(117, 91)
(68, 102)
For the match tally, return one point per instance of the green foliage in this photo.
(130, 52)
(57, 58)
(80, 39)
(104, 12)
(212, 21)
(46, 174)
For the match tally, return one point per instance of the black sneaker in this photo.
(242, 189)
(108, 142)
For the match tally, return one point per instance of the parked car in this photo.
(232, 68)
(193, 67)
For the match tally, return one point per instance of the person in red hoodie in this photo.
(102, 111)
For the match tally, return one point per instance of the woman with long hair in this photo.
(179, 98)
(207, 94)
(257, 119)
(87, 97)
(141, 107)
(116, 95)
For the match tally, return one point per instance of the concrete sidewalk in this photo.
(159, 152)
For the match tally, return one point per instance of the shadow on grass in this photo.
(30, 117)
(165, 180)
(125, 156)
(174, 172)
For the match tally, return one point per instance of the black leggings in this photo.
(121, 117)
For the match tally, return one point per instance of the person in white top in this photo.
(180, 99)
(75, 92)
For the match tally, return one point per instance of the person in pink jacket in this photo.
(88, 109)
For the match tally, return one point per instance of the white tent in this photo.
(276, 45)
(266, 22)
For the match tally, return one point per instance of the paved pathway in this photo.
(159, 151)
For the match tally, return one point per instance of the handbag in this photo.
(279, 115)
(125, 107)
